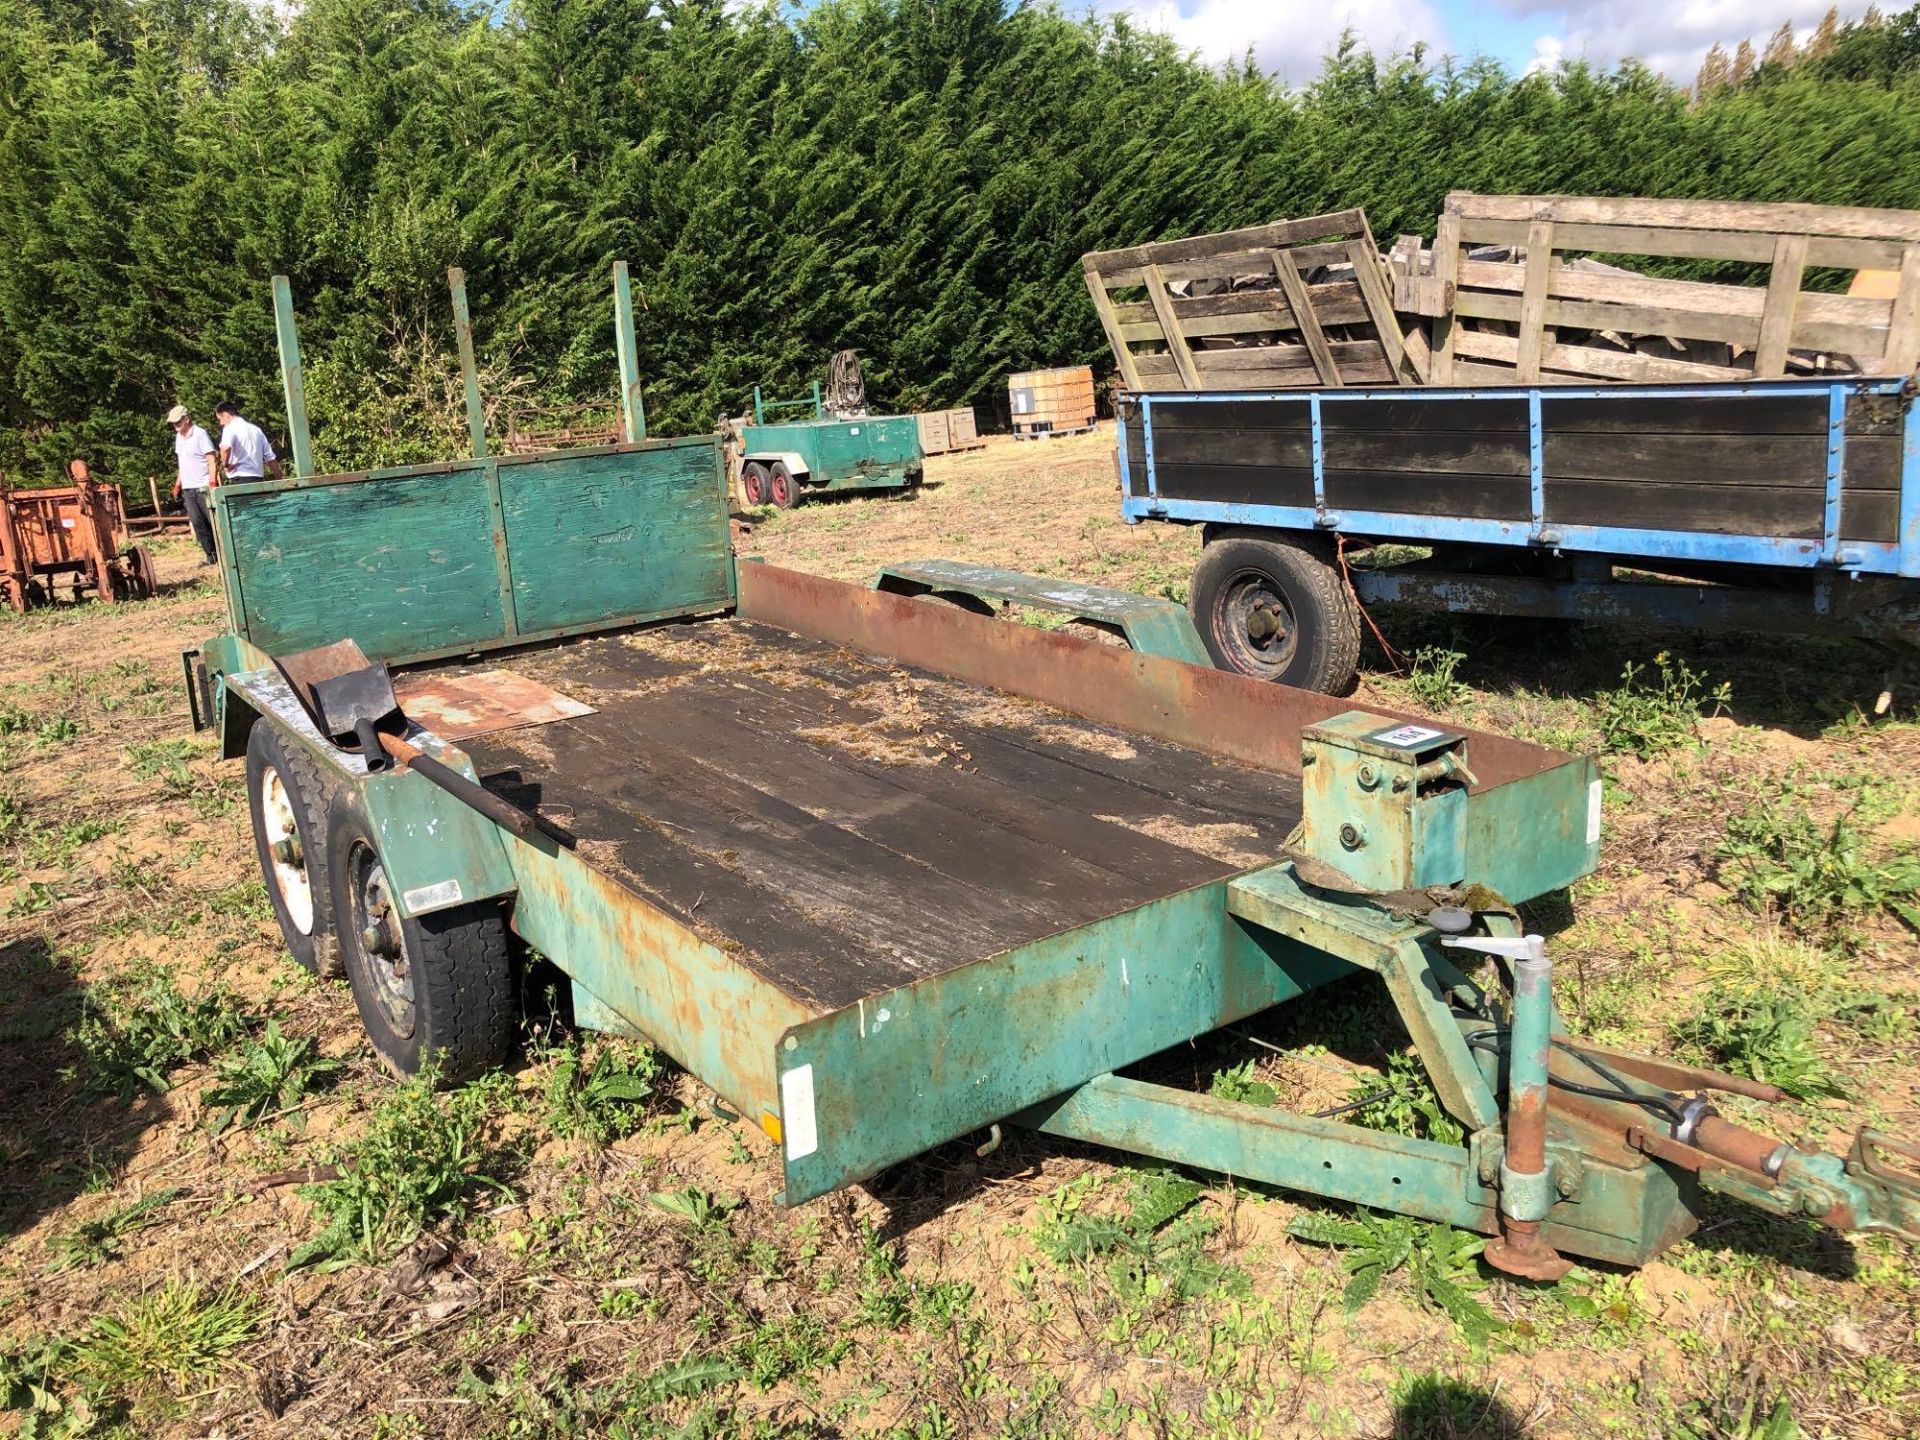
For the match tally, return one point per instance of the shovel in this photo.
(350, 700)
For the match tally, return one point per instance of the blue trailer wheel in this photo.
(1275, 607)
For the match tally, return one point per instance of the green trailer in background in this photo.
(785, 461)
(886, 874)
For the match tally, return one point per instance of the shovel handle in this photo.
(507, 817)
(370, 750)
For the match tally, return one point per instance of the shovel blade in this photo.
(339, 687)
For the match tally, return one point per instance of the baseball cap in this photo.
(176, 414)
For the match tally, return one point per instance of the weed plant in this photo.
(1652, 714)
(420, 1159)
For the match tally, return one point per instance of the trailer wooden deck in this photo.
(845, 826)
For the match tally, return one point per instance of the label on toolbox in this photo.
(1407, 737)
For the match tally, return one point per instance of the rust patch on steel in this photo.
(1671, 1074)
(1736, 1144)
(458, 707)
(687, 995)
(1232, 716)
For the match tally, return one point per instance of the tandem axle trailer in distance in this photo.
(1784, 506)
(716, 840)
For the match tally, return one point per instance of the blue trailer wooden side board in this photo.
(1793, 504)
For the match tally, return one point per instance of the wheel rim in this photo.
(285, 853)
(756, 487)
(379, 939)
(1254, 624)
(782, 490)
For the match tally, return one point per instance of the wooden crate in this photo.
(944, 430)
(1293, 304)
(1550, 318)
(1052, 402)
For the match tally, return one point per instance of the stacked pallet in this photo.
(1051, 402)
(1293, 304)
(944, 430)
(1542, 314)
(1514, 291)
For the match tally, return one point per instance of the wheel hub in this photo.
(285, 852)
(383, 943)
(1255, 625)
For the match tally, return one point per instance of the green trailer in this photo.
(783, 462)
(886, 874)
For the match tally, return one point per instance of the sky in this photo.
(1290, 37)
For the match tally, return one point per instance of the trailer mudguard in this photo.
(794, 461)
(437, 852)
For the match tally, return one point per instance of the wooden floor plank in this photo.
(744, 779)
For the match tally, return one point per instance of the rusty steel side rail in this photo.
(1232, 716)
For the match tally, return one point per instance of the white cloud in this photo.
(1549, 54)
(1671, 36)
(1290, 38)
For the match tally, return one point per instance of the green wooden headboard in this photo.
(433, 560)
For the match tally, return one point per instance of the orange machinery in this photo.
(76, 532)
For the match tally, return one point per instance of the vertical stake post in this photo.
(469, 371)
(296, 390)
(633, 410)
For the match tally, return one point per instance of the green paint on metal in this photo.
(1624, 1214)
(290, 377)
(868, 453)
(910, 1068)
(433, 560)
(633, 409)
(469, 369)
(590, 1012)
(404, 565)
(763, 407)
(502, 558)
(1151, 625)
(599, 538)
(703, 1007)
(1535, 834)
(1384, 801)
(1403, 953)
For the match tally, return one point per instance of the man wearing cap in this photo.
(199, 473)
(245, 451)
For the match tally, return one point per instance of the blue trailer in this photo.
(1783, 506)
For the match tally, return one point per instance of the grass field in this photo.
(218, 1216)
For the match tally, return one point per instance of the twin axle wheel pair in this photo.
(433, 987)
(769, 483)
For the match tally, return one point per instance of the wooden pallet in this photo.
(1293, 304)
(1546, 319)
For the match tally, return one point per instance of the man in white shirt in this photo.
(199, 473)
(245, 451)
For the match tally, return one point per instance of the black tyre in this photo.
(146, 583)
(438, 986)
(753, 483)
(1276, 607)
(287, 798)
(782, 486)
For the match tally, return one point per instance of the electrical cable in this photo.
(1351, 1105)
(1487, 1041)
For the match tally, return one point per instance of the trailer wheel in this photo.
(754, 483)
(146, 583)
(287, 797)
(435, 987)
(1275, 607)
(784, 488)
